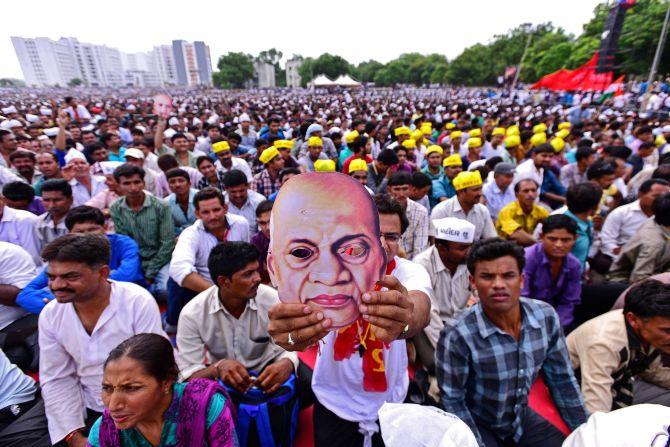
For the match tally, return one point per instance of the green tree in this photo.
(331, 65)
(75, 82)
(235, 69)
(306, 71)
(471, 67)
(366, 71)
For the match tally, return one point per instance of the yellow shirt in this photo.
(512, 218)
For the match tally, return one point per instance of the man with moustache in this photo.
(488, 361)
(328, 259)
(90, 316)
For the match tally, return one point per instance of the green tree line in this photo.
(550, 49)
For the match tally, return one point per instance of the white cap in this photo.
(169, 133)
(666, 129)
(476, 164)
(244, 118)
(32, 118)
(88, 127)
(8, 124)
(454, 230)
(174, 121)
(109, 166)
(8, 110)
(134, 153)
(51, 131)
(72, 154)
(142, 128)
(196, 121)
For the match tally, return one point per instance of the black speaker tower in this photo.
(610, 36)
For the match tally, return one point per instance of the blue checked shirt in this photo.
(485, 375)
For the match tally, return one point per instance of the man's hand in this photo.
(274, 375)
(67, 172)
(305, 325)
(388, 312)
(234, 374)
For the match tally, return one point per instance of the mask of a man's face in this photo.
(162, 105)
(325, 248)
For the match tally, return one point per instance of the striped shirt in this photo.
(263, 183)
(485, 375)
(415, 238)
(151, 227)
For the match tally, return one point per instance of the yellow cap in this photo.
(324, 166)
(537, 139)
(456, 134)
(220, 147)
(283, 144)
(512, 141)
(315, 142)
(475, 133)
(564, 125)
(268, 154)
(417, 135)
(563, 133)
(660, 141)
(409, 144)
(498, 131)
(351, 136)
(474, 142)
(434, 148)
(358, 164)
(540, 128)
(426, 128)
(512, 130)
(467, 179)
(558, 144)
(402, 130)
(450, 126)
(452, 160)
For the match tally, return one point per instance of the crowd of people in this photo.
(526, 238)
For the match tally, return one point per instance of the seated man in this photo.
(18, 328)
(148, 221)
(648, 251)
(241, 200)
(489, 360)
(227, 324)
(189, 271)
(19, 227)
(466, 205)
(620, 355)
(181, 199)
(443, 187)
(498, 193)
(124, 261)
(552, 274)
(21, 196)
(415, 238)
(22, 419)
(517, 220)
(90, 316)
(261, 240)
(445, 264)
(57, 198)
(419, 190)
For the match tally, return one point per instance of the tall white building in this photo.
(48, 62)
(293, 78)
(264, 75)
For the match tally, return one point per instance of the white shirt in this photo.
(238, 164)
(339, 385)
(527, 170)
(637, 425)
(20, 228)
(80, 194)
(195, 243)
(71, 360)
(7, 176)
(82, 111)
(478, 216)
(17, 269)
(248, 210)
(620, 225)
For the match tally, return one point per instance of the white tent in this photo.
(322, 81)
(347, 81)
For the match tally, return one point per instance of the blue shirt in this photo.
(584, 238)
(564, 293)
(124, 263)
(551, 184)
(485, 375)
(120, 157)
(496, 198)
(181, 220)
(442, 187)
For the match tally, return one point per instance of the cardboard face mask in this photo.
(162, 105)
(325, 249)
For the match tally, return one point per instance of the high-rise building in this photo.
(48, 62)
(293, 78)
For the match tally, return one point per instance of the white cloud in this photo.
(355, 29)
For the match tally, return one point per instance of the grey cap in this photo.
(504, 168)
